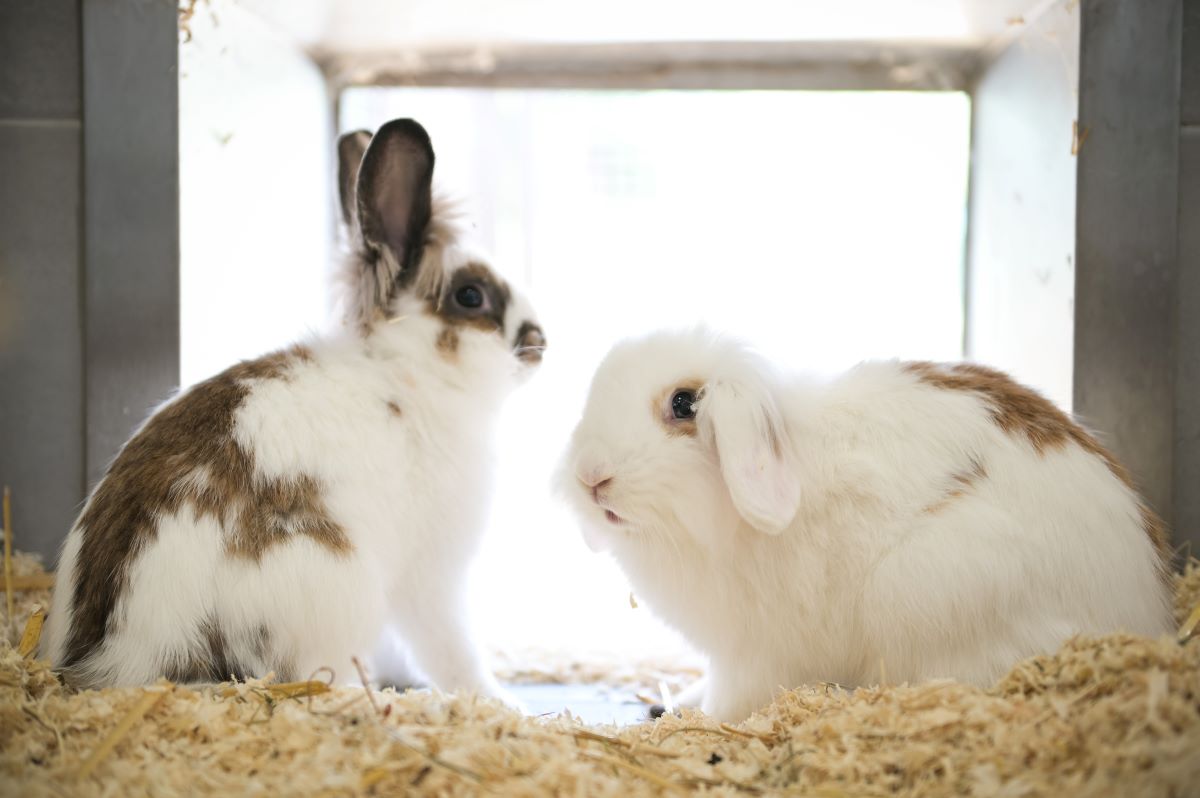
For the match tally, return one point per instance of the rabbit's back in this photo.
(1003, 527)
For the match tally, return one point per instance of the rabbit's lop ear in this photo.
(742, 421)
(395, 190)
(350, 149)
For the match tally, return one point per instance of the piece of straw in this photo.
(1190, 625)
(31, 582)
(1078, 136)
(616, 742)
(32, 633)
(366, 683)
(766, 738)
(645, 773)
(8, 575)
(284, 690)
(667, 699)
(149, 698)
(297, 689)
(372, 777)
(721, 732)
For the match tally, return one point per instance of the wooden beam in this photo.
(838, 66)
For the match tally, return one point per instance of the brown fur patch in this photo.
(277, 510)
(186, 455)
(214, 660)
(261, 648)
(447, 342)
(1017, 409)
(218, 649)
(261, 645)
(394, 409)
(660, 406)
(210, 663)
(498, 294)
(962, 482)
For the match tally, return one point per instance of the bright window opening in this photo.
(824, 227)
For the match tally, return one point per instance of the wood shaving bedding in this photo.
(1116, 715)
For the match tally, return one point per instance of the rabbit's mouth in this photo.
(599, 498)
(609, 514)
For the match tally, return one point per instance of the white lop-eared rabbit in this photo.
(907, 521)
(286, 514)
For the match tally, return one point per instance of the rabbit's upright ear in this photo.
(395, 185)
(741, 419)
(350, 149)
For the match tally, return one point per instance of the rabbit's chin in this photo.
(602, 529)
(599, 539)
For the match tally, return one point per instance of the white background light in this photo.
(824, 227)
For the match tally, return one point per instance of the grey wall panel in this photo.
(41, 378)
(1021, 240)
(41, 315)
(1127, 193)
(1187, 368)
(1190, 104)
(39, 59)
(131, 217)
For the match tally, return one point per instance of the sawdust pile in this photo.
(1118, 715)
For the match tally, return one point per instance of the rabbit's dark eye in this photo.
(469, 296)
(683, 404)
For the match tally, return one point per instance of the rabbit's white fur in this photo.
(410, 493)
(397, 432)
(873, 527)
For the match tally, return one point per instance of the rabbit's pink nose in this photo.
(599, 486)
(594, 479)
